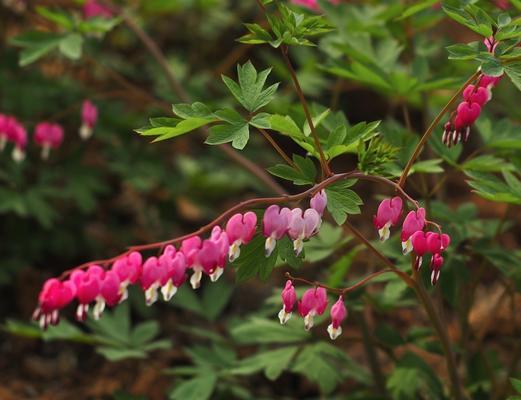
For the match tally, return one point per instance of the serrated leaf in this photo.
(71, 46)
(199, 388)
(237, 134)
(285, 125)
(342, 201)
(273, 362)
(253, 261)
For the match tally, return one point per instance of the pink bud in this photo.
(54, 296)
(414, 221)
(338, 314)
(302, 226)
(93, 8)
(436, 264)
(275, 226)
(48, 136)
(468, 112)
(151, 277)
(88, 285)
(489, 82)
(174, 265)
(240, 230)
(289, 297)
(479, 95)
(313, 302)
(388, 214)
(18, 135)
(319, 202)
(436, 242)
(420, 247)
(89, 117)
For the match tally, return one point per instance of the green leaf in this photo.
(168, 132)
(513, 71)
(416, 8)
(71, 46)
(340, 267)
(342, 201)
(237, 134)
(57, 16)
(462, 51)
(317, 120)
(215, 298)
(253, 261)
(35, 45)
(428, 166)
(516, 384)
(199, 388)
(492, 67)
(144, 333)
(273, 362)
(285, 125)
(195, 110)
(304, 174)
(259, 330)
(487, 163)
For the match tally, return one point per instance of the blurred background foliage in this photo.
(382, 61)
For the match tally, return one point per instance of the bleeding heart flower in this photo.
(319, 202)
(240, 230)
(275, 225)
(313, 302)
(48, 136)
(338, 314)
(388, 214)
(302, 226)
(414, 221)
(88, 285)
(289, 298)
(54, 296)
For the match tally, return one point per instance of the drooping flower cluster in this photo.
(474, 98)
(413, 236)
(47, 135)
(96, 287)
(11, 130)
(313, 302)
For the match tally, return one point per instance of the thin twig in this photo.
(277, 148)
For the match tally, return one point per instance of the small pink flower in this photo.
(468, 112)
(319, 202)
(54, 296)
(48, 136)
(128, 269)
(89, 116)
(240, 230)
(388, 214)
(338, 314)
(93, 8)
(436, 242)
(152, 275)
(313, 302)
(480, 95)
(414, 221)
(289, 298)
(489, 82)
(175, 265)
(109, 293)
(222, 240)
(88, 285)
(275, 225)
(18, 136)
(302, 227)
(420, 247)
(5, 130)
(436, 264)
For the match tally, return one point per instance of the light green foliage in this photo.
(342, 201)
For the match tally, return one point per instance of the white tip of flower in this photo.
(85, 131)
(215, 275)
(195, 279)
(123, 291)
(298, 245)
(81, 312)
(308, 321)
(46, 150)
(269, 246)
(18, 154)
(406, 247)
(385, 231)
(151, 294)
(284, 316)
(55, 317)
(41, 322)
(235, 251)
(334, 332)
(98, 308)
(435, 275)
(168, 290)
(418, 263)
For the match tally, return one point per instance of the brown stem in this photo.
(424, 298)
(239, 207)
(277, 148)
(323, 162)
(431, 127)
